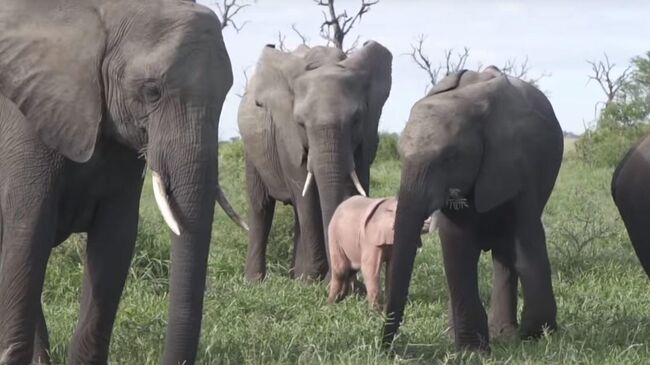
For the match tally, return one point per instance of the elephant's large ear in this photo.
(450, 82)
(376, 223)
(275, 74)
(320, 56)
(375, 61)
(51, 70)
(500, 175)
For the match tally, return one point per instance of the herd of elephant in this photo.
(93, 93)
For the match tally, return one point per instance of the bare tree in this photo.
(303, 39)
(228, 10)
(281, 45)
(522, 71)
(457, 61)
(602, 73)
(336, 26)
(245, 73)
(454, 61)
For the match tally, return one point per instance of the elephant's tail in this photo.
(1, 232)
(230, 211)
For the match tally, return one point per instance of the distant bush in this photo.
(232, 152)
(606, 146)
(387, 150)
(622, 122)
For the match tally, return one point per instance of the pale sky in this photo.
(556, 36)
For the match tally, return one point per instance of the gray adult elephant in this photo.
(309, 125)
(485, 150)
(630, 184)
(88, 88)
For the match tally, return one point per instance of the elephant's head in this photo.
(457, 152)
(151, 75)
(329, 106)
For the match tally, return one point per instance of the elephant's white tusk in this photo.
(230, 211)
(433, 224)
(163, 204)
(357, 184)
(310, 177)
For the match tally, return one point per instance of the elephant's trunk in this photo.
(186, 163)
(331, 162)
(415, 204)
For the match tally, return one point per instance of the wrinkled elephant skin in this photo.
(483, 149)
(309, 121)
(89, 90)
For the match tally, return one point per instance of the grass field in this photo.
(601, 290)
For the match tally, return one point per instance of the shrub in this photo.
(606, 146)
(387, 149)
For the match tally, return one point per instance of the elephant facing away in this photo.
(484, 149)
(89, 90)
(309, 122)
(360, 237)
(630, 183)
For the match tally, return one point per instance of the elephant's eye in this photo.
(151, 92)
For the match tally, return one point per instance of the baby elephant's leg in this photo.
(371, 268)
(339, 285)
(340, 275)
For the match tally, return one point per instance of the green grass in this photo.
(601, 290)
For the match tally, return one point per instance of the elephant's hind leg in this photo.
(41, 354)
(371, 269)
(534, 269)
(503, 302)
(262, 207)
(339, 285)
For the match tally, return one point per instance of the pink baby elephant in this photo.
(361, 238)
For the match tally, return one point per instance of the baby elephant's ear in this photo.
(50, 68)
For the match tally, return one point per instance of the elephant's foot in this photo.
(473, 343)
(503, 330)
(14, 354)
(536, 328)
(311, 274)
(255, 277)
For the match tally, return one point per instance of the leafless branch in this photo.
(303, 38)
(517, 70)
(521, 70)
(228, 10)
(422, 60)
(603, 75)
(454, 62)
(336, 26)
(245, 72)
(280, 45)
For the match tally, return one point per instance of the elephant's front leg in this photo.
(111, 240)
(311, 262)
(28, 238)
(460, 255)
(261, 209)
(503, 302)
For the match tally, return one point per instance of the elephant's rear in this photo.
(630, 183)
(545, 139)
